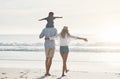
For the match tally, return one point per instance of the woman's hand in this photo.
(47, 38)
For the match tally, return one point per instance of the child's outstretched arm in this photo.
(41, 19)
(58, 17)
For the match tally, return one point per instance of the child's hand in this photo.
(85, 39)
(39, 20)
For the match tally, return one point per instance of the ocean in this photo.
(33, 43)
(24, 50)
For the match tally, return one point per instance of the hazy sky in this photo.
(99, 17)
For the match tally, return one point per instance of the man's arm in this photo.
(55, 32)
(41, 34)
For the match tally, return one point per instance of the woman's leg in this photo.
(64, 58)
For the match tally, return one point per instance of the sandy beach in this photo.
(81, 66)
(36, 73)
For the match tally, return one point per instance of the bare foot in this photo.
(63, 75)
(47, 74)
(67, 70)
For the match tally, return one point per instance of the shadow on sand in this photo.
(42, 77)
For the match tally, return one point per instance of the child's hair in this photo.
(51, 13)
(64, 32)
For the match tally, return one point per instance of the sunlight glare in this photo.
(109, 35)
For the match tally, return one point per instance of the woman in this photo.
(64, 37)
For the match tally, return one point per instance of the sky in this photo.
(88, 17)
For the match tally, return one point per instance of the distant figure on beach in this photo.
(50, 19)
(49, 47)
(64, 37)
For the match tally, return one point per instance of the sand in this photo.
(36, 73)
(81, 66)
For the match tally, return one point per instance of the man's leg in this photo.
(49, 56)
(46, 65)
(49, 62)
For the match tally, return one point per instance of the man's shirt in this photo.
(49, 32)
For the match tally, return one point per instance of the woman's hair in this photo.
(65, 32)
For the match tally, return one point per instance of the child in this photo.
(50, 20)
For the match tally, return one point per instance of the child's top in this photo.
(50, 22)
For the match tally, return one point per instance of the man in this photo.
(49, 47)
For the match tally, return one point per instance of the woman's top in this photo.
(63, 41)
(50, 22)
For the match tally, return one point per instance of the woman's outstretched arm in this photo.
(85, 39)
